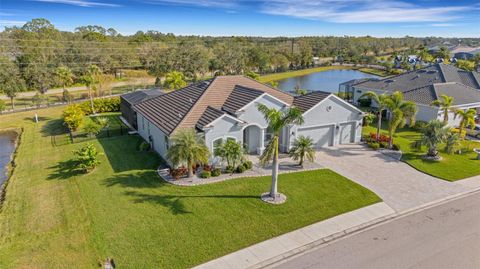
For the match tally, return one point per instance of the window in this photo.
(216, 144)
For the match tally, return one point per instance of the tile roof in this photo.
(438, 73)
(240, 97)
(208, 116)
(168, 110)
(141, 95)
(461, 93)
(199, 104)
(423, 95)
(305, 102)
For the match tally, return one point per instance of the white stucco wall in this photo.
(331, 111)
(223, 128)
(146, 129)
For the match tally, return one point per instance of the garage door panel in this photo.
(322, 136)
(347, 134)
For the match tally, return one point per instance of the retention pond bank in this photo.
(7, 147)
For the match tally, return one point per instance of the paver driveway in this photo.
(398, 184)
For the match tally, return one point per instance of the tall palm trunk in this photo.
(445, 116)
(12, 102)
(273, 190)
(190, 170)
(379, 123)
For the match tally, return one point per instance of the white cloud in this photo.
(80, 3)
(11, 22)
(202, 3)
(362, 11)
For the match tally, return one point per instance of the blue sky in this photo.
(256, 18)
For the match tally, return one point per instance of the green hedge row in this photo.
(101, 105)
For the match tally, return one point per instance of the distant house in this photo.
(425, 85)
(225, 107)
(466, 55)
(345, 89)
(128, 100)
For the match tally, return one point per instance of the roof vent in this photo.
(390, 80)
(190, 99)
(179, 115)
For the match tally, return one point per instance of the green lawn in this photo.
(54, 217)
(453, 166)
(378, 72)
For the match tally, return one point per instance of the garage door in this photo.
(322, 135)
(347, 134)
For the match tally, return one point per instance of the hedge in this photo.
(101, 105)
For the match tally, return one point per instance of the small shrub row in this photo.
(384, 145)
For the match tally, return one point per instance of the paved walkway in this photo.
(398, 184)
(299, 240)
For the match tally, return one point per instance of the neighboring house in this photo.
(225, 107)
(128, 100)
(345, 89)
(425, 85)
(466, 55)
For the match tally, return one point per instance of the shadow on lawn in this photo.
(174, 202)
(123, 154)
(64, 170)
(141, 179)
(53, 127)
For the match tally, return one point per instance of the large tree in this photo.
(277, 120)
(10, 81)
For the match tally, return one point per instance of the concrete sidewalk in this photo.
(275, 249)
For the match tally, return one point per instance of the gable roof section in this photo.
(218, 92)
(462, 94)
(305, 102)
(208, 117)
(423, 95)
(168, 110)
(240, 97)
(141, 95)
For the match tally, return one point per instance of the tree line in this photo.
(37, 56)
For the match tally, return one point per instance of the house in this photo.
(466, 55)
(225, 107)
(425, 85)
(128, 100)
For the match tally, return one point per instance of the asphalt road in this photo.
(444, 236)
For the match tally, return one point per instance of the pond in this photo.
(326, 81)
(7, 147)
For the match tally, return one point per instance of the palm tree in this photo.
(425, 56)
(433, 134)
(302, 148)
(445, 105)
(467, 119)
(91, 78)
(380, 101)
(277, 120)
(189, 149)
(400, 111)
(174, 80)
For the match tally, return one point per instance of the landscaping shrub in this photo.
(101, 105)
(229, 169)
(383, 145)
(144, 146)
(92, 128)
(207, 167)
(396, 147)
(87, 158)
(248, 165)
(374, 145)
(419, 125)
(240, 169)
(216, 172)
(178, 173)
(205, 174)
(73, 117)
(2, 105)
(381, 138)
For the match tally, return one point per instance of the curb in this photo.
(357, 229)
